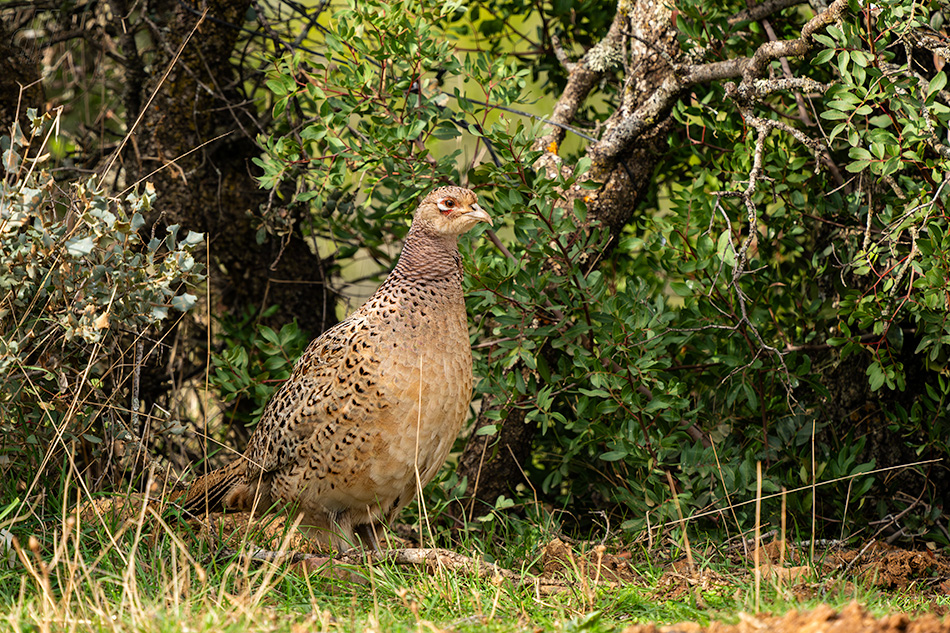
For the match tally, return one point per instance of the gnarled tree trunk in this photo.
(206, 183)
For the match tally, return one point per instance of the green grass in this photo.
(150, 577)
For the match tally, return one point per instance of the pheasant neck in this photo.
(428, 258)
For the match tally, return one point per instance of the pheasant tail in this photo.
(208, 492)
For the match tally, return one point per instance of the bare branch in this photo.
(561, 54)
(619, 138)
(353, 561)
(759, 88)
(793, 48)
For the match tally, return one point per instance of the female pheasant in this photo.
(374, 404)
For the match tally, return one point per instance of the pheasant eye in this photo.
(446, 205)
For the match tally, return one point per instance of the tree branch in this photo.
(621, 136)
(580, 82)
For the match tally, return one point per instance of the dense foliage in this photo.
(779, 295)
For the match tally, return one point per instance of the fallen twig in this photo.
(432, 558)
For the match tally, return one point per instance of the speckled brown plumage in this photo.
(372, 402)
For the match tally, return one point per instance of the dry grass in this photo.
(151, 573)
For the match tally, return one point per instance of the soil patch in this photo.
(888, 567)
(824, 619)
(597, 564)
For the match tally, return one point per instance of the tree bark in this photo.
(19, 82)
(194, 139)
(212, 190)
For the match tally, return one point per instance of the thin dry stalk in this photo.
(415, 464)
(682, 521)
(758, 533)
(781, 553)
(649, 532)
(725, 490)
(814, 497)
(844, 517)
(207, 362)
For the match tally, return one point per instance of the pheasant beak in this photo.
(479, 214)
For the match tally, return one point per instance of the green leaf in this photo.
(823, 57)
(184, 302)
(416, 129)
(834, 115)
(876, 376)
(681, 289)
(857, 166)
(269, 335)
(446, 131)
(193, 238)
(274, 362)
(936, 84)
(79, 246)
(725, 250)
(277, 86)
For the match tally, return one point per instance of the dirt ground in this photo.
(851, 619)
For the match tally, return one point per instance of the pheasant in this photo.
(374, 404)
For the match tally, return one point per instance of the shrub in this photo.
(84, 295)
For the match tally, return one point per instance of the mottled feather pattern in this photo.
(380, 395)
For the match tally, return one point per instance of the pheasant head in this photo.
(449, 211)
